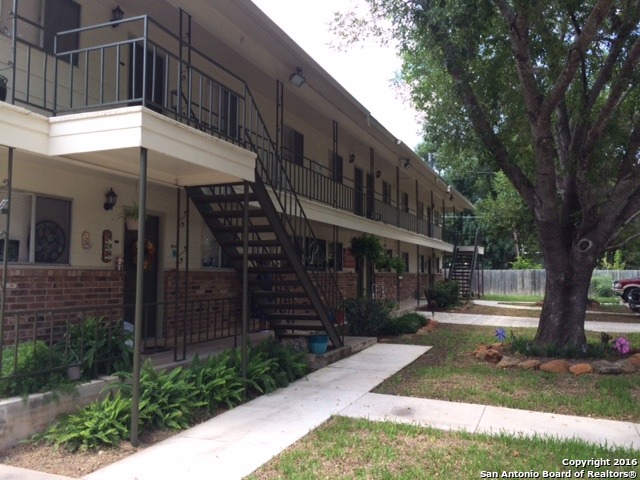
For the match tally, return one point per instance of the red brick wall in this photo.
(74, 291)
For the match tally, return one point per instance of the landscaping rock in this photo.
(480, 352)
(606, 368)
(635, 359)
(626, 366)
(487, 353)
(531, 364)
(508, 362)
(555, 366)
(581, 369)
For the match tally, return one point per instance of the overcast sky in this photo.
(365, 70)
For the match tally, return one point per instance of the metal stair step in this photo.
(240, 228)
(233, 213)
(202, 198)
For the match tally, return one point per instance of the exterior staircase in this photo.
(463, 264)
(282, 290)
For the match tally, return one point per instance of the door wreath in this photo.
(149, 254)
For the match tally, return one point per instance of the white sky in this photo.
(365, 70)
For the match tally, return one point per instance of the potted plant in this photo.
(130, 215)
(3, 88)
(318, 343)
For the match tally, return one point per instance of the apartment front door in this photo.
(150, 278)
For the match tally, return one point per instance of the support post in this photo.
(5, 253)
(137, 329)
(245, 279)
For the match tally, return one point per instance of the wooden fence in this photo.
(530, 282)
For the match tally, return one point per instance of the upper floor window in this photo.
(60, 16)
(386, 192)
(405, 202)
(293, 146)
(40, 229)
(338, 168)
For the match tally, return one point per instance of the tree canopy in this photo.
(546, 92)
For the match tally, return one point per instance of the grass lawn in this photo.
(449, 372)
(345, 448)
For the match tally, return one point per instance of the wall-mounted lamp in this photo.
(352, 158)
(116, 15)
(407, 163)
(398, 141)
(110, 199)
(378, 173)
(296, 78)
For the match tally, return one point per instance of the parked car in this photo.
(629, 290)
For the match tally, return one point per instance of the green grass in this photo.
(450, 372)
(538, 298)
(345, 448)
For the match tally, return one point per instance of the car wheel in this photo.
(633, 295)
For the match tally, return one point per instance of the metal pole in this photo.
(177, 278)
(137, 329)
(5, 253)
(245, 279)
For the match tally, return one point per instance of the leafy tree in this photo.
(547, 93)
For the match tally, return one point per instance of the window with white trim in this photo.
(40, 229)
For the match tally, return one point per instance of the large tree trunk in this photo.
(565, 301)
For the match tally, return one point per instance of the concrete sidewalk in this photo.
(237, 442)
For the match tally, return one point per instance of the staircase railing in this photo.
(271, 171)
(474, 259)
(452, 265)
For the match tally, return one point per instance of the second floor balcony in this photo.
(141, 62)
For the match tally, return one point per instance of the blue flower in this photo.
(501, 334)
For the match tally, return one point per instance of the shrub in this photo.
(292, 364)
(216, 382)
(521, 263)
(102, 346)
(101, 423)
(32, 357)
(404, 324)
(444, 294)
(365, 317)
(601, 286)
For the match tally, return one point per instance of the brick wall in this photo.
(33, 292)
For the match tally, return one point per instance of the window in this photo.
(40, 229)
(315, 253)
(386, 192)
(59, 16)
(405, 201)
(421, 263)
(336, 256)
(293, 148)
(405, 260)
(211, 253)
(338, 165)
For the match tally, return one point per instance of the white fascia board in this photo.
(134, 127)
(331, 216)
(23, 129)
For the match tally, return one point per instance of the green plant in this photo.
(27, 368)
(393, 263)
(521, 263)
(617, 264)
(444, 294)
(102, 423)
(525, 346)
(130, 212)
(292, 365)
(404, 324)
(366, 247)
(102, 345)
(3, 81)
(601, 286)
(216, 382)
(365, 317)
(168, 399)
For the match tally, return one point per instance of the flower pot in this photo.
(318, 343)
(131, 223)
(74, 372)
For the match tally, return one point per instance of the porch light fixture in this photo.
(378, 173)
(296, 78)
(407, 163)
(110, 199)
(352, 158)
(116, 15)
